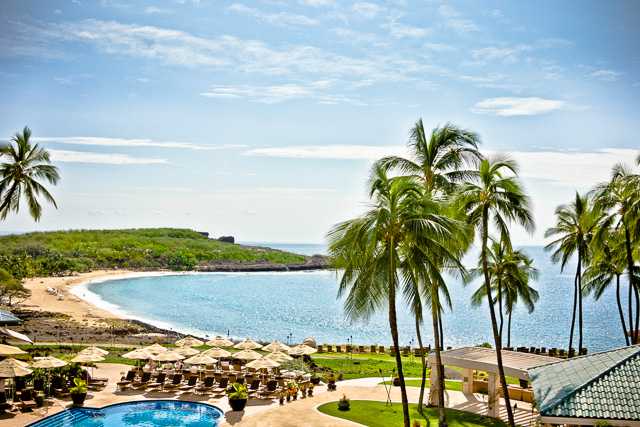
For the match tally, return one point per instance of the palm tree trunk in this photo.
(631, 312)
(494, 323)
(509, 331)
(575, 306)
(579, 308)
(424, 366)
(624, 327)
(441, 333)
(442, 419)
(500, 305)
(632, 285)
(393, 323)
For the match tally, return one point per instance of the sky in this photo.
(261, 120)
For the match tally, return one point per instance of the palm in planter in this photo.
(79, 392)
(238, 396)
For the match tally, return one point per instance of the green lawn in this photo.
(377, 414)
(367, 367)
(449, 385)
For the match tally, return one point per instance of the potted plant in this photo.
(282, 397)
(294, 393)
(310, 389)
(303, 390)
(79, 392)
(39, 399)
(238, 397)
(344, 403)
(331, 382)
(315, 380)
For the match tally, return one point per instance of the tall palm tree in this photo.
(492, 196)
(510, 272)
(576, 224)
(383, 252)
(23, 166)
(620, 198)
(608, 263)
(438, 160)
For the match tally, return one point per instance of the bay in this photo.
(292, 306)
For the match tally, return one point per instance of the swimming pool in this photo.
(148, 413)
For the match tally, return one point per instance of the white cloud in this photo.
(278, 93)
(366, 10)
(317, 3)
(508, 55)
(572, 169)
(509, 106)
(607, 75)
(282, 18)
(453, 21)
(122, 142)
(399, 31)
(152, 9)
(343, 152)
(65, 156)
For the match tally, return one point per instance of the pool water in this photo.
(148, 413)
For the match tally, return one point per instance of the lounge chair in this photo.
(38, 385)
(93, 382)
(58, 388)
(89, 378)
(373, 349)
(26, 400)
(381, 349)
(349, 348)
(253, 388)
(361, 349)
(131, 376)
(392, 351)
(177, 382)
(159, 382)
(191, 384)
(144, 381)
(338, 349)
(4, 405)
(222, 387)
(270, 390)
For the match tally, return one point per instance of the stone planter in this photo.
(237, 404)
(78, 398)
(343, 406)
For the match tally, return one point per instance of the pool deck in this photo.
(264, 412)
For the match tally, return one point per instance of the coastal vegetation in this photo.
(64, 252)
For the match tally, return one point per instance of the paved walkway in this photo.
(260, 412)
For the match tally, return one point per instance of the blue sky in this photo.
(260, 119)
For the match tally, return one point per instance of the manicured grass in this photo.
(377, 414)
(367, 367)
(449, 385)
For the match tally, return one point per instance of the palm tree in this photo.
(577, 224)
(609, 262)
(385, 251)
(620, 198)
(510, 272)
(493, 196)
(438, 161)
(20, 173)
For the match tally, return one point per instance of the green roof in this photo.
(601, 385)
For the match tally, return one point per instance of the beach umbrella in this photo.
(247, 355)
(87, 358)
(94, 350)
(200, 359)
(276, 345)
(7, 349)
(263, 363)
(185, 351)
(248, 345)
(189, 342)
(138, 354)
(278, 356)
(219, 342)
(11, 368)
(217, 352)
(302, 349)
(48, 363)
(155, 349)
(17, 335)
(167, 356)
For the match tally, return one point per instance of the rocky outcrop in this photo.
(227, 239)
(316, 262)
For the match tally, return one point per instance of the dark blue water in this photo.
(270, 306)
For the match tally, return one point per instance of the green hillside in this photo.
(61, 252)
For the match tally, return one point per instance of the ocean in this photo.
(292, 306)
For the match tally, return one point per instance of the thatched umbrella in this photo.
(200, 359)
(87, 358)
(138, 354)
(278, 356)
(189, 342)
(48, 363)
(276, 345)
(167, 356)
(220, 342)
(94, 350)
(185, 351)
(217, 352)
(155, 349)
(248, 345)
(263, 364)
(8, 349)
(247, 355)
(11, 368)
(301, 350)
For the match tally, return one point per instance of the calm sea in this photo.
(294, 306)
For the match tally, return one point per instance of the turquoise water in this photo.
(153, 413)
(270, 306)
